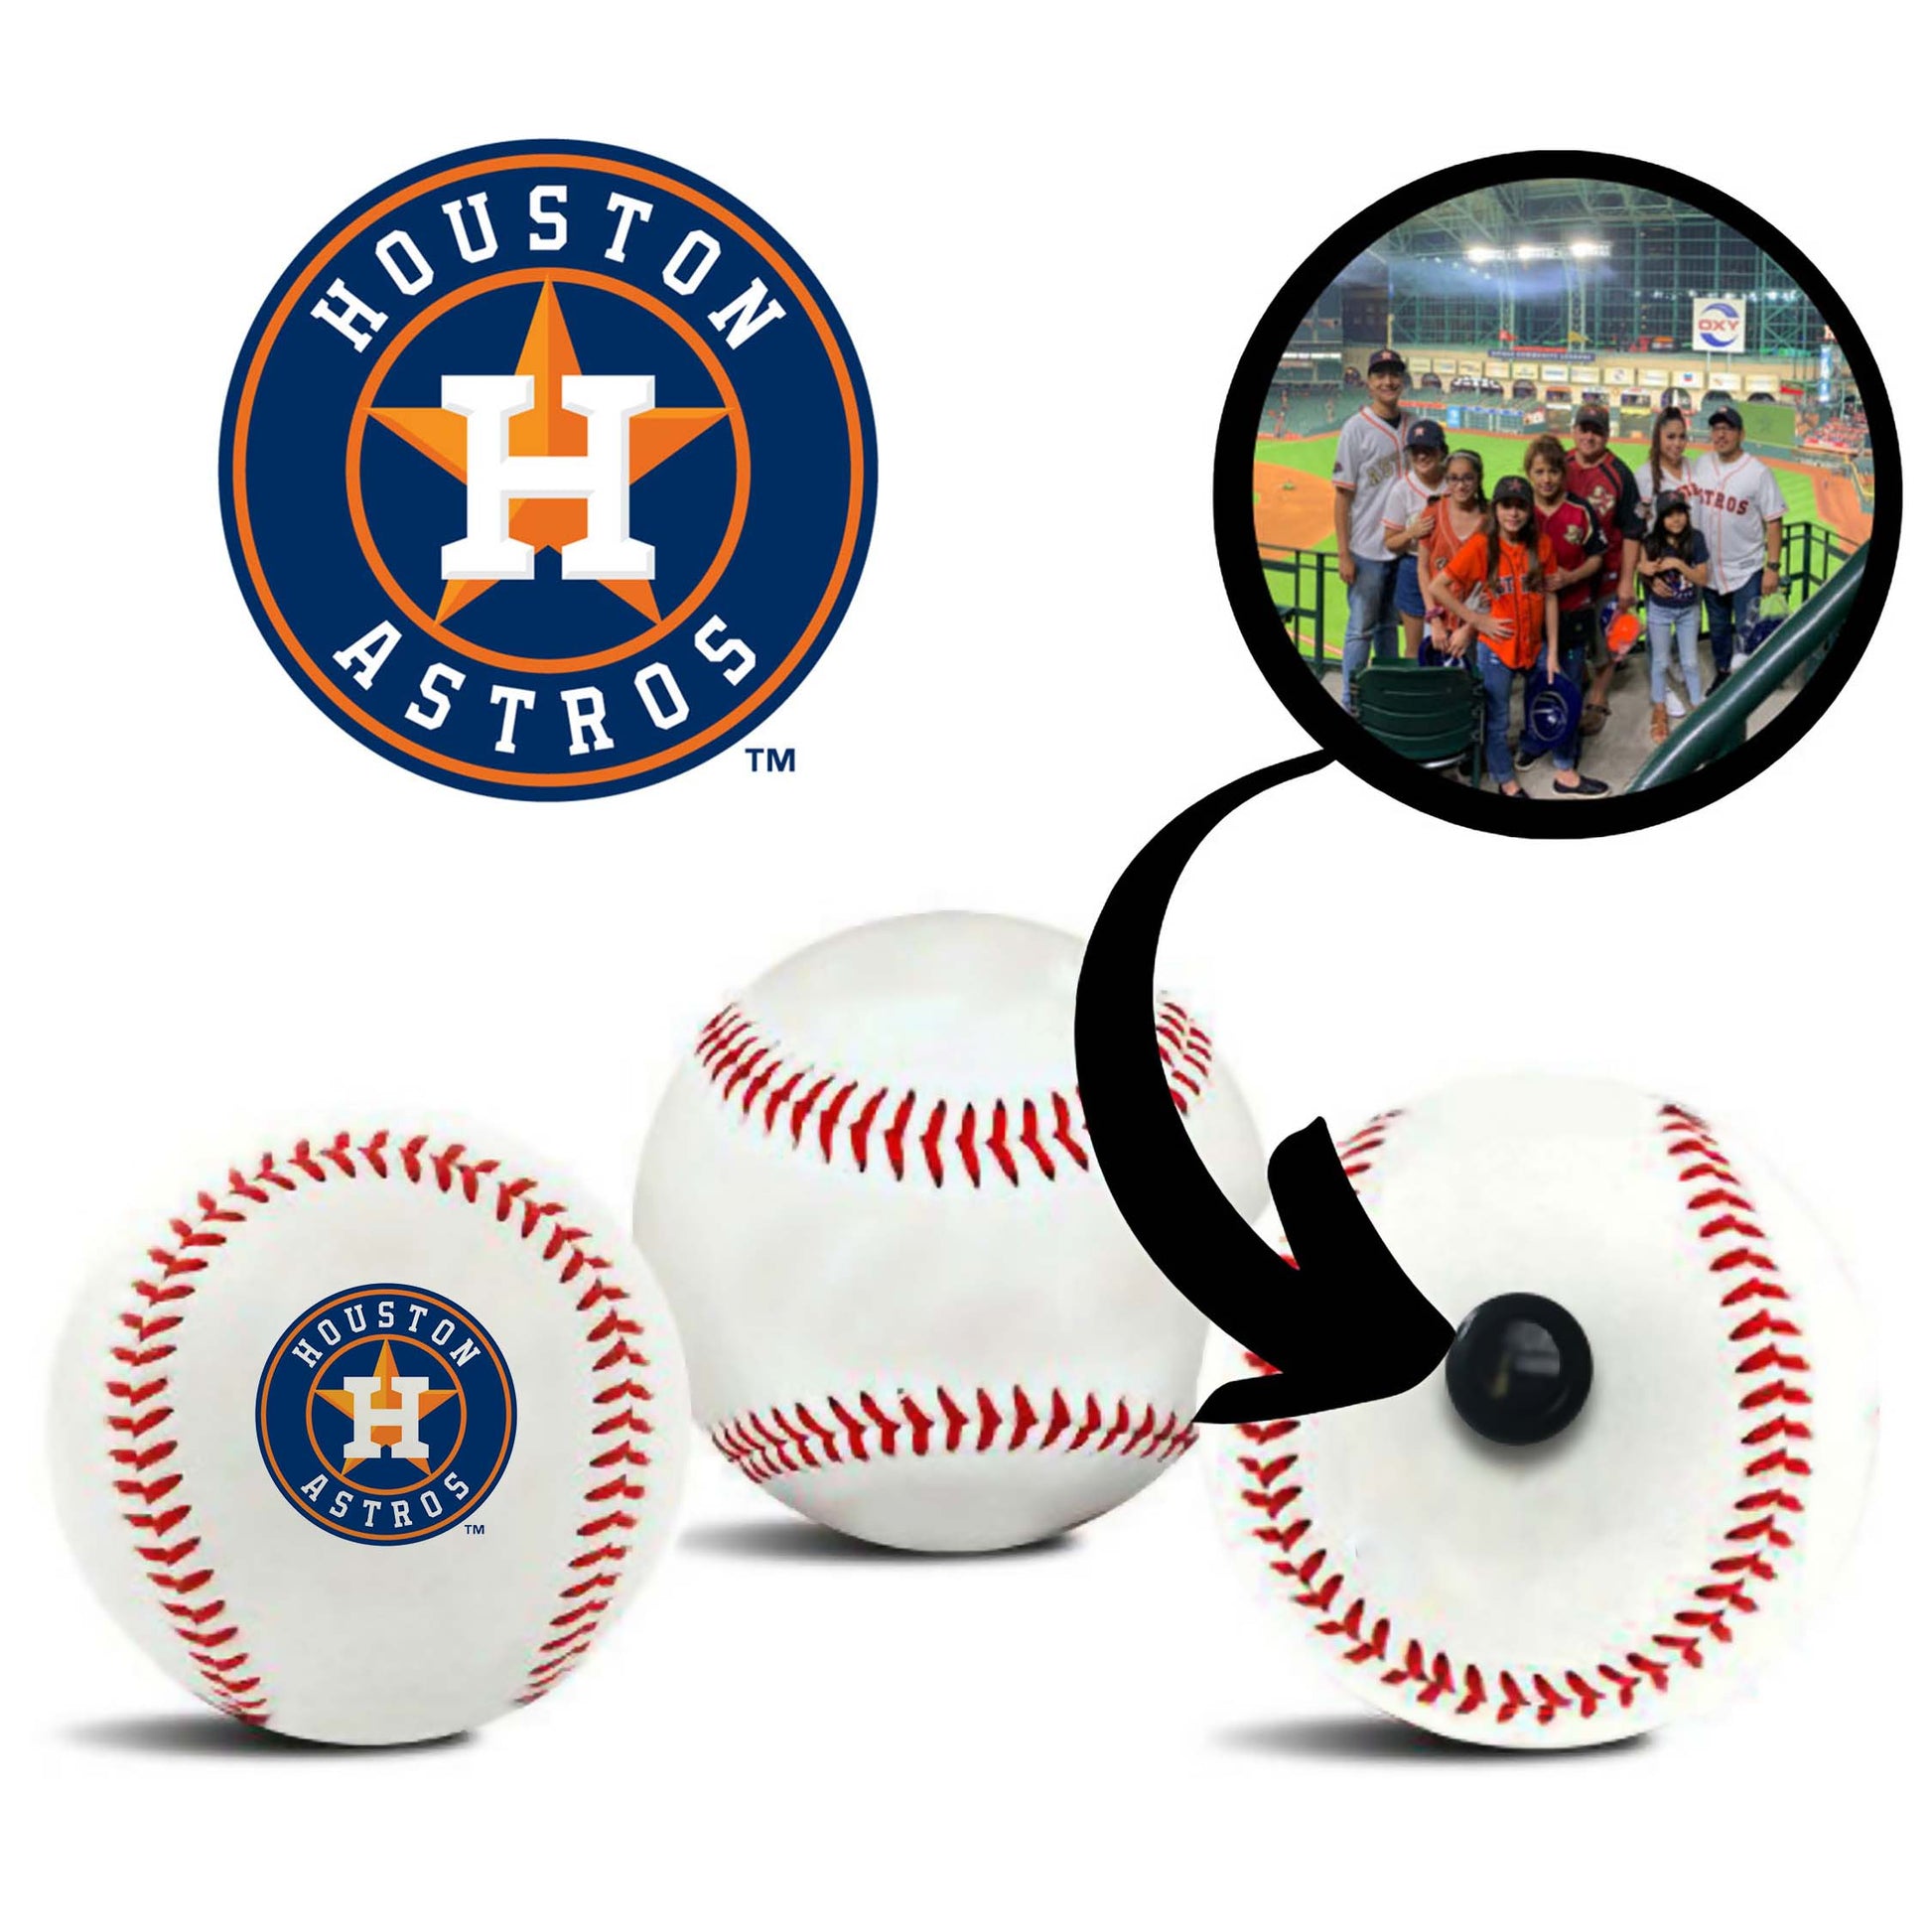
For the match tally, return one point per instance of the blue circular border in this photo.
(278, 1354)
(697, 184)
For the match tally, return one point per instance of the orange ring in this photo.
(359, 422)
(363, 1488)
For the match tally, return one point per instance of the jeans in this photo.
(1679, 621)
(1497, 681)
(1732, 613)
(1572, 660)
(1371, 619)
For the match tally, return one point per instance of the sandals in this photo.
(1659, 724)
(1595, 718)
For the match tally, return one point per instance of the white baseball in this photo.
(412, 1544)
(911, 1309)
(1640, 1563)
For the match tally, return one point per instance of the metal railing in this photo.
(1312, 579)
(1721, 724)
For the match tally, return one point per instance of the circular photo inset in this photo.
(1557, 480)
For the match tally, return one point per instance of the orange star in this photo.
(388, 1396)
(547, 428)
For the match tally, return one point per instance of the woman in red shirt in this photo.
(1508, 566)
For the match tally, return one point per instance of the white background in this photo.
(1050, 231)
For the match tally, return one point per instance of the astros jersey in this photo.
(1609, 487)
(1572, 532)
(1438, 546)
(1730, 505)
(1521, 607)
(1369, 462)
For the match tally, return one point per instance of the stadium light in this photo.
(1583, 251)
(1483, 255)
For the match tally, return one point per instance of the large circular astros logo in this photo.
(385, 1414)
(548, 469)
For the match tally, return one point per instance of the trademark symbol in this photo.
(474, 1529)
(786, 760)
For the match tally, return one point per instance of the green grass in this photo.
(1501, 456)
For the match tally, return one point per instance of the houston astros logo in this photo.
(547, 470)
(385, 1414)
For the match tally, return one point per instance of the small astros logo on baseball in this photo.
(387, 1414)
(913, 1312)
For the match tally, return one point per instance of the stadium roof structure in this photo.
(1498, 217)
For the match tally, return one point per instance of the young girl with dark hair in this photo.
(1462, 513)
(1675, 567)
(1511, 563)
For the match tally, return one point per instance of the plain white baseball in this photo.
(369, 1438)
(911, 1309)
(1644, 1561)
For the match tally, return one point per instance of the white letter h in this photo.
(600, 476)
(406, 1417)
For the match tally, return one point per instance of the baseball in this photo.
(1641, 1461)
(911, 1309)
(371, 1437)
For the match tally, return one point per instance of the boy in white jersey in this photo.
(1739, 510)
(1368, 465)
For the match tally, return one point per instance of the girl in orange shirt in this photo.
(1462, 513)
(1511, 563)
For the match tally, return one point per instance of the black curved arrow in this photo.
(1348, 1325)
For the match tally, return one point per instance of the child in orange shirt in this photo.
(1462, 513)
(1512, 563)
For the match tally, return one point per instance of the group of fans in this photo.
(1538, 576)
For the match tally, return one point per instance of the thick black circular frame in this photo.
(1254, 605)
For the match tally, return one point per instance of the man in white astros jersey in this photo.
(1739, 510)
(1368, 465)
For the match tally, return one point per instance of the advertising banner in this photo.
(1717, 326)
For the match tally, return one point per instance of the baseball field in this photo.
(1295, 506)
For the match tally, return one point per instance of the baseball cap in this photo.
(1594, 416)
(1425, 435)
(1386, 359)
(1671, 499)
(1513, 490)
(1727, 415)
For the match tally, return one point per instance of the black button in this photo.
(1519, 1369)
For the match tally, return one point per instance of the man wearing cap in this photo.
(1409, 520)
(1598, 475)
(1739, 510)
(1368, 466)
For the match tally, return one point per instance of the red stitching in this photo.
(155, 1508)
(1766, 1508)
(785, 1441)
(983, 1144)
